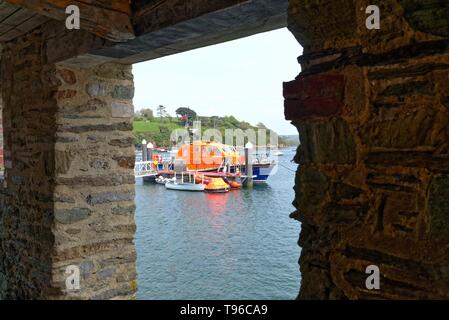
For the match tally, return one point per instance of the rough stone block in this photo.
(122, 110)
(109, 197)
(67, 216)
(314, 96)
(327, 142)
(429, 16)
(123, 92)
(439, 208)
(96, 89)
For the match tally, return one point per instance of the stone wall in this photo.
(372, 110)
(372, 187)
(69, 184)
(2, 165)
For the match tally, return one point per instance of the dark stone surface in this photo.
(327, 142)
(439, 208)
(67, 216)
(314, 96)
(123, 92)
(429, 16)
(108, 197)
(111, 179)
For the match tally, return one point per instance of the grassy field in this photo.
(154, 126)
(158, 130)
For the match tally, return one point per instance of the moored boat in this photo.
(172, 185)
(217, 185)
(235, 185)
(162, 180)
(208, 157)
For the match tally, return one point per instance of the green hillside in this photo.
(158, 129)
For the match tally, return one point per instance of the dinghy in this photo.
(184, 186)
(217, 185)
(162, 180)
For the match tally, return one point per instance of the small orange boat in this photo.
(201, 179)
(235, 185)
(217, 185)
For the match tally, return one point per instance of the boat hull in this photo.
(185, 186)
(218, 190)
(261, 172)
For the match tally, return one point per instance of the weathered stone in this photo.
(65, 94)
(66, 139)
(377, 144)
(419, 159)
(445, 101)
(122, 110)
(439, 208)
(313, 187)
(18, 180)
(340, 191)
(73, 231)
(108, 197)
(95, 139)
(327, 142)
(124, 210)
(63, 199)
(115, 292)
(412, 71)
(63, 161)
(339, 215)
(67, 216)
(125, 162)
(112, 179)
(123, 92)
(427, 16)
(52, 168)
(99, 164)
(114, 71)
(67, 76)
(314, 96)
(106, 273)
(121, 126)
(86, 267)
(93, 105)
(422, 128)
(312, 29)
(122, 143)
(96, 89)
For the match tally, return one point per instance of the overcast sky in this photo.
(242, 78)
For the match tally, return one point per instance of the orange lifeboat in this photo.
(217, 185)
(235, 185)
(201, 179)
(207, 155)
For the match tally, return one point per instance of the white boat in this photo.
(278, 153)
(185, 186)
(162, 180)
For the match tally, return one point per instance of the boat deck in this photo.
(206, 174)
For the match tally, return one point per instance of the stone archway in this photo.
(370, 106)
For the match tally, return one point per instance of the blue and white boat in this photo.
(216, 157)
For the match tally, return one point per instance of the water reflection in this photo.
(238, 245)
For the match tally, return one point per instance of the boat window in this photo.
(207, 149)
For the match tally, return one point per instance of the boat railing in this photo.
(144, 169)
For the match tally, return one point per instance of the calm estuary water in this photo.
(239, 245)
